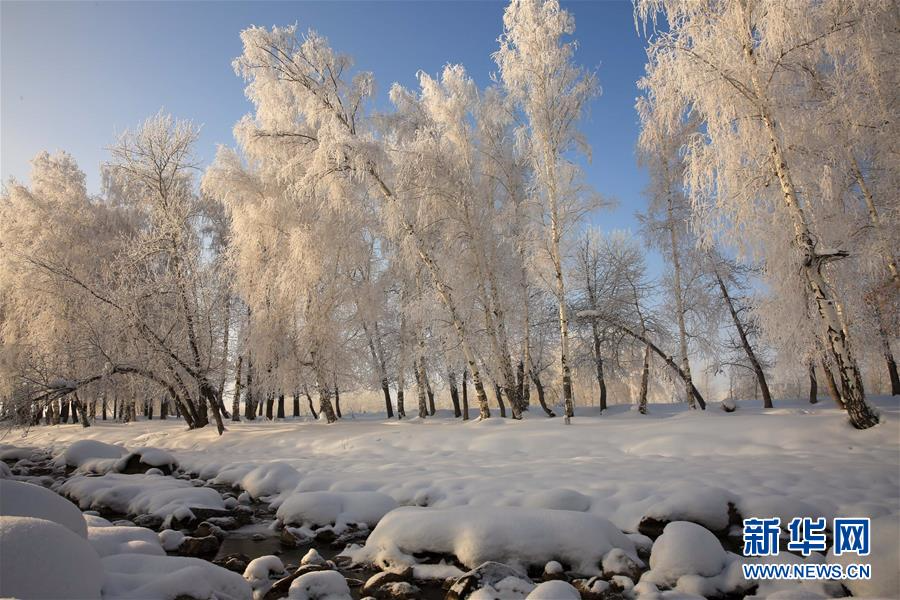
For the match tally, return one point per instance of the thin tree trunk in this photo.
(270, 405)
(164, 408)
(103, 408)
(813, 384)
(73, 411)
(249, 406)
(598, 362)
(379, 362)
(428, 391)
(745, 342)
(309, 400)
(225, 336)
(420, 389)
(78, 406)
(465, 395)
(454, 394)
(887, 254)
(280, 413)
(296, 406)
(679, 308)
(236, 400)
(886, 349)
(401, 409)
(499, 393)
(536, 379)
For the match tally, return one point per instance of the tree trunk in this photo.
(886, 349)
(862, 416)
(103, 408)
(598, 362)
(309, 401)
(337, 402)
(270, 405)
(164, 408)
(386, 390)
(645, 379)
(280, 413)
(428, 390)
(465, 395)
(249, 407)
(745, 343)
(887, 254)
(401, 410)
(832, 385)
(379, 362)
(225, 335)
(236, 399)
(296, 407)
(73, 411)
(679, 309)
(536, 379)
(498, 392)
(78, 406)
(420, 389)
(813, 384)
(454, 394)
(149, 410)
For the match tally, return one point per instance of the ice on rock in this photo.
(685, 548)
(43, 559)
(554, 590)
(20, 499)
(516, 536)
(320, 585)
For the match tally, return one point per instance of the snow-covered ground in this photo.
(673, 464)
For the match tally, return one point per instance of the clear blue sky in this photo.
(74, 74)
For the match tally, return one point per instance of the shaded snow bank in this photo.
(520, 537)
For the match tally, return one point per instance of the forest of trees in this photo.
(445, 247)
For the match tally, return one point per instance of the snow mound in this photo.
(270, 478)
(320, 585)
(685, 548)
(152, 457)
(707, 506)
(260, 568)
(170, 539)
(318, 509)
(554, 590)
(561, 499)
(14, 453)
(516, 536)
(108, 541)
(5, 471)
(43, 559)
(141, 494)
(143, 577)
(19, 499)
(884, 558)
(508, 588)
(83, 451)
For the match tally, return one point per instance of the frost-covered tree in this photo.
(736, 67)
(538, 70)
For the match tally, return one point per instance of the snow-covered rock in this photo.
(170, 539)
(5, 471)
(141, 494)
(559, 499)
(82, 451)
(20, 499)
(43, 559)
(263, 567)
(554, 590)
(145, 460)
(707, 506)
(685, 548)
(515, 536)
(312, 509)
(320, 585)
(108, 541)
(144, 577)
(508, 588)
(270, 478)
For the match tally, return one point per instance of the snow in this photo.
(515, 536)
(270, 478)
(43, 559)
(140, 494)
(312, 558)
(262, 567)
(170, 539)
(20, 499)
(154, 457)
(320, 585)
(884, 558)
(83, 451)
(554, 590)
(508, 588)
(309, 509)
(560, 499)
(108, 541)
(5, 471)
(685, 548)
(145, 577)
(795, 460)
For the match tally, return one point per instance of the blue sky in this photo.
(74, 74)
